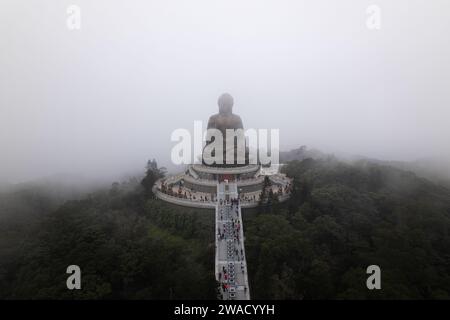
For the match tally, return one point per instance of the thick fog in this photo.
(101, 100)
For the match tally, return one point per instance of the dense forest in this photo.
(127, 244)
(343, 218)
(340, 219)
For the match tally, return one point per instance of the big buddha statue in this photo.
(223, 121)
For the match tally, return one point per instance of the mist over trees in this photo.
(127, 244)
(340, 219)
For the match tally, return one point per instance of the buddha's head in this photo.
(225, 103)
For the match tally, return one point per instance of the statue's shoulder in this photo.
(212, 121)
(214, 116)
(236, 117)
(237, 121)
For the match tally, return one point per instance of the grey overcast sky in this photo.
(101, 100)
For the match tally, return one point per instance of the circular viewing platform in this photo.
(225, 170)
(197, 186)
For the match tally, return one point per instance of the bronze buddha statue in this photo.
(223, 121)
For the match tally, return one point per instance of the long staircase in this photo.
(231, 264)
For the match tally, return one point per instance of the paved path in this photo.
(231, 265)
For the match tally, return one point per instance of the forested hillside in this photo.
(127, 244)
(343, 218)
(340, 219)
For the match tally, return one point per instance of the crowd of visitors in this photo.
(229, 235)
